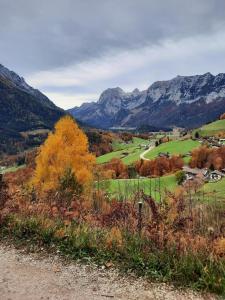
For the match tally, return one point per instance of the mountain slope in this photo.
(185, 101)
(22, 108)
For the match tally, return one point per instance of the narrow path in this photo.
(34, 277)
(142, 155)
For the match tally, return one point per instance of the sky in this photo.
(72, 50)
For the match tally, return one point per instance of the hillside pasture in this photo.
(127, 152)
(213, 190)
(179, 147)
(212, 128)
(126, 188)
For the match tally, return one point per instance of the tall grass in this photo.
(126, 251)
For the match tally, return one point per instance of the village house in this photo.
(205, 174)
(164, 154)
(215, 175)
(2, 168)
(192, 173)
(222, 142)
(177, 132)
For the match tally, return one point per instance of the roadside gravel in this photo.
(36, 276)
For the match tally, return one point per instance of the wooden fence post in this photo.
(140, 205)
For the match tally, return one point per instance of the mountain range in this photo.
(184, 101)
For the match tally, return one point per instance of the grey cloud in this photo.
(41, 35)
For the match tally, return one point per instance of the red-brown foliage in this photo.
(118, 167)
(100, 142)
(222, 117)
(159, 166)
(120, 212)
(204, 157)
(126, 136)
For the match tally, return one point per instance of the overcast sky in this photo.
(74, 49)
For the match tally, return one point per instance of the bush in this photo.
(180, 177)
(197, 135)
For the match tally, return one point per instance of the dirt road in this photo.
(142, 155)
(25, 276)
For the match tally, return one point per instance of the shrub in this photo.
(180, 177)
(197, 135)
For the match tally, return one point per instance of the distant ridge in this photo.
(184, 101)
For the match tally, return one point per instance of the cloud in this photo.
(45, 34)
(69, 100)
(80, 47)
(136, 68)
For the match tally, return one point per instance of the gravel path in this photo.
(142, 155)
(34, 276)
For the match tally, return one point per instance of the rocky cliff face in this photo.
(186, 101)
(112, 106)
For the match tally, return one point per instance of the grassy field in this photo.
(129, 153)
(174, 147)
(212, 128)
(12, 169)
(124, 188)
(214, 191)
(118, 145)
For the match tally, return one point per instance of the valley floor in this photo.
(33, 276)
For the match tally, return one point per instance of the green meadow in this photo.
(212, 128)
(125, 188)
(174, 148)
(127, 152)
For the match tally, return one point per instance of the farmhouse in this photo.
(215, 175)
(222, 141)
(205, 174)
(164, 154)
(2, 168)
(192, 173)
(177, 132)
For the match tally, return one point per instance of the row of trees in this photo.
(156, 167)
(159, 166)
(212, 158)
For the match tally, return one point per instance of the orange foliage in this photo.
(219, 246)
(66, 148)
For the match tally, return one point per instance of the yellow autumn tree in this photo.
(65, 148)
